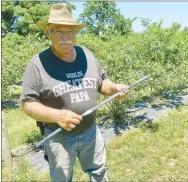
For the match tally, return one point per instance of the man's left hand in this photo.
(118, 87)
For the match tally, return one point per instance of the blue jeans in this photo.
(62, 150)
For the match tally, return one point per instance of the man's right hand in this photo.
(68, 119)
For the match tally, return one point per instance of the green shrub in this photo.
(162, 53)
(16, 53)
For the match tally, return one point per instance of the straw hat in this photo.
(60, 14)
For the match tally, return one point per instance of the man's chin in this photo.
(65, 46)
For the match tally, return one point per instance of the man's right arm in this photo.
(31, 105)
(65, 118)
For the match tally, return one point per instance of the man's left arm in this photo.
(109, 88)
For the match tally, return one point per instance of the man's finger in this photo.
(68, 129)
(72, 126)
(76, 116)
(126, 92)
(74, 121)
(120, 86)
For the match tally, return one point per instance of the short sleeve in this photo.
(31, 83)
(102, 73)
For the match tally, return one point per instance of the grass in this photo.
(22, 172)
(21, 128)
(143, 154)
(147, 155)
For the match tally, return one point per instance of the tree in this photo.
(185, 28)
(145, 22)
(102, 17)
(121, 25)
(21, 16)
(8, 17)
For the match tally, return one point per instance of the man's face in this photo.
(62, 37)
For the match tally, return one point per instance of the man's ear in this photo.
(47, 33)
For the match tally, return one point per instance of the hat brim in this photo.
(43, 25)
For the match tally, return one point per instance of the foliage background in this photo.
(126, 56)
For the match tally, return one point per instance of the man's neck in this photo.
(68, 56)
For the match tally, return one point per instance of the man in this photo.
(59, 85)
